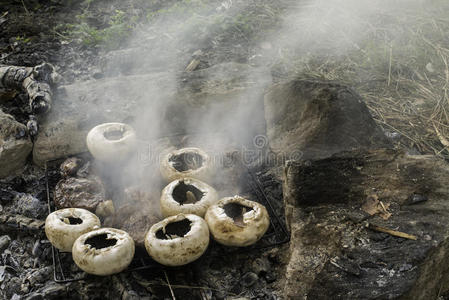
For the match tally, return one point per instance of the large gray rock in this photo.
(15, 145)
(316, 119)
(333, 254)
(221, 98)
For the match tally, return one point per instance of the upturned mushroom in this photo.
(110, 142)
(187, 162)
(188, 196)
(236, 221)
(104, 251)
(177, 240)
(64, 226)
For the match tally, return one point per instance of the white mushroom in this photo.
(177, 240)
(111, 141)
(188, 196)
(235, 221)
(64, 226)
(104, 251)
(186, 162)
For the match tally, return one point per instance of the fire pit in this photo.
(251, 188)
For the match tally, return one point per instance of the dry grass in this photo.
(401, 69)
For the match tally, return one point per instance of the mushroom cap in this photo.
(104, 261)
(168, 165)
(171, 207)
(178, 250)
(61, 233)
(227, 231)
(109, 150)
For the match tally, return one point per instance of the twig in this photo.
(181, 286)
(392, 232)
(442, 139)
(169, 286)
(389, 64)
(26, 10)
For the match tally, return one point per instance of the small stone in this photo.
(4, 242)
(15, 297)
(30, 206)
(70, 166)
(130, 295)
(416, 198)
(37, 249)
(270, 278)
(261, 265)
(249, 279)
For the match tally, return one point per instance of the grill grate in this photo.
(276, 234)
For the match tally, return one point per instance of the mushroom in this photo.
(110, 142)
(236, 221)
(177, 240)
(186, 162)
(64, 226)
(188, 196)
(103, 251)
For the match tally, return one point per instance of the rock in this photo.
(39, 276)
(188, 103)
(334, 254)
(16, 297)
(21, 223)
(249, 279)
(84, 193)
(15, 145)
(30, 206)
(4, 242)
(311, 119)
(130, 295)
(70, 166)
(49, 291)
(261, 265)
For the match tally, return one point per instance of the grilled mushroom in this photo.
(104, 251)
(111, 141)
(235, 221)
(188, 196)
(177, 240)
(186, 162)
(64, 226)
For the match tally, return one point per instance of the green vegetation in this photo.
(110, 37)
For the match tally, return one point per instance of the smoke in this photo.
(224, 102)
